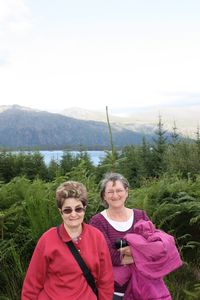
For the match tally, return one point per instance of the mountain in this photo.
(186, 117)
(130, 123)
(22, 127)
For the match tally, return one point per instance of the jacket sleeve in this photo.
(105, 282)
(155, 252)
(36, 273)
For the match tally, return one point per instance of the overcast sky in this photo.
(56, 54)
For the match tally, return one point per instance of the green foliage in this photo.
(54, 170)
(129, 164)
(12, 271)
(13, 192)
(195, 294)
(159, 148)
(70, 161)
(29, 212)
(28, 208)
(181, 282)
(183, 159)
(106, 163)
(40, 199)
(30, 165)
(145, 159)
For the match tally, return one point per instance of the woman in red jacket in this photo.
(53, 273)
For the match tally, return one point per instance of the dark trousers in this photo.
(116, 297)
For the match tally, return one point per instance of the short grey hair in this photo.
(111, 177)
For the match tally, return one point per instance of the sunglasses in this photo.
(69, 210)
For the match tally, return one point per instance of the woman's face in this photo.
(115, 194)
(72, 213)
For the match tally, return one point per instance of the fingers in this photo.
(127, 259)
(126, 250)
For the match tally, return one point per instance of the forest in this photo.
(164, 179)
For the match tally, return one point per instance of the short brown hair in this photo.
(71, 189)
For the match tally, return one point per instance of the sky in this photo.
(96, 53)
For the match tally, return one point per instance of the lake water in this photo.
(57, 155)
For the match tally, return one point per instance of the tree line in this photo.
(165, 154)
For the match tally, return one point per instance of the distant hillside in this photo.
(145, 128)
(186, 118)
(22, 127)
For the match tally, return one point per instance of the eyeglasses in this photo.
(69, 210)
(111, 193)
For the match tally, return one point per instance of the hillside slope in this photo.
(25, 128)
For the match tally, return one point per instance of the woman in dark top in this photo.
(116, 221)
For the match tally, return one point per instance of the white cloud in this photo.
(14, 15)
(130, 57)
(15, 24)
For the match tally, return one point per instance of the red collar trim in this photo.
(62, 232)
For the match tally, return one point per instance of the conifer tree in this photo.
(159, 148)
(198, 139)
(146, 159)
(174, 135)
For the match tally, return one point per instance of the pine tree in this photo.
(174, 135)
(159, 148)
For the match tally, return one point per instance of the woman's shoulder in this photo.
(138, 210)
(96, 218)
(49, 233)
(140, 214)
(46, 238)
(92, 230)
